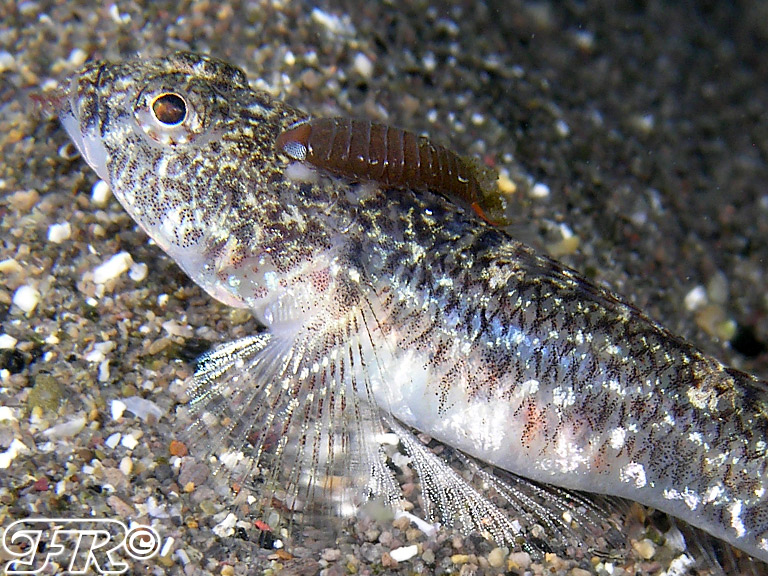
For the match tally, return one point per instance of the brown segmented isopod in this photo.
(363, 150)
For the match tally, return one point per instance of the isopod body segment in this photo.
(395, 158)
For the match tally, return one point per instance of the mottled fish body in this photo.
(391, 310)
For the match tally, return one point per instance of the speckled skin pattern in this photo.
(474, 338)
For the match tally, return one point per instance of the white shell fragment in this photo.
(142, 407)
(404, 553)
(100, 193)
(26, 298)
(66, 429)
(112, 268)
(58, 233)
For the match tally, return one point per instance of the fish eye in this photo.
(169, 108)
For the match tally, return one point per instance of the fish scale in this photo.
(386, 310)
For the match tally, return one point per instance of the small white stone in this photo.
(126, 466)
(117, 408)
(562, 128)
(363, 65)
(112, 268)
(404, 553)
(168, 546)
(26, 298)
(17, 447)
(695, 299)
(58, 233)
(7, 61)
(100, 193)
(226, 527)
(175, 328)
(130, 441)
(423, 525)
(99, 351)
(77, 57)
(339, 26)
(143, 408)
(103, 371)
(539, 190)
(113, 440)
(7, 342)
(138, 272)
(7, 415)
(10, 266)
(477, 119)
(66, 429)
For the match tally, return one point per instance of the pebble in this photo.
(120, 506)
(26, 298)
(66, 429)
(117, 408)
(112, 268)
(496, 557)
(24, 200)
(7, 61)
(175, 328)
(113, 440)
(519, 561)
(177, 448)
(363, 65)
(7, 342)
(460, 558)
(10, 266)
(77, 57)
(645, 548)
(7, 414)
(138, 272)
(695, 299)
(130, 441)
(99, 351)
(193, 473)
(17, 447)
(226, 527)
(143, 408)
(505, 183)
(58, 233)
(331, 554)
(539, 190)
(100, 193)
(404, 553)
(126, 466)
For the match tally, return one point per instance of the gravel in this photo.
(633, 140)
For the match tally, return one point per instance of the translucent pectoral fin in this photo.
(287, 423)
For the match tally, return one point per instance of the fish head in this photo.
(188, 150)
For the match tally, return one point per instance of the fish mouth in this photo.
(67, 103)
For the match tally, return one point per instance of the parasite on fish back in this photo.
(410, 316)
(393, 157)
